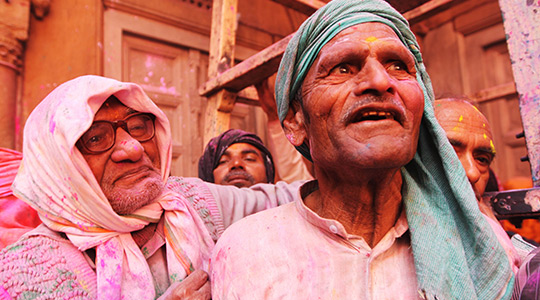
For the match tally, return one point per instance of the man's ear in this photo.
(294, 127)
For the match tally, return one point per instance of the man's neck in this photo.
(369, 207)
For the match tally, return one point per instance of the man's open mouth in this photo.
(376, 114)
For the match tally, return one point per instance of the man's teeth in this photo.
(377, 114)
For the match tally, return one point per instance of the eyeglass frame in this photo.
(115, 125)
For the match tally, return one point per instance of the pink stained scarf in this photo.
(55, 179)
(16, 217)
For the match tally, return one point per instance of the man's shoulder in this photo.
(263, 225)
(48, 263)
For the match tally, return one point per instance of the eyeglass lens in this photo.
(102, 134)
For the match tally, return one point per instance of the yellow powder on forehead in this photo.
(461, 118)
(485, 136)
(476, 108)
(492, 146)
(455, 128)
(484, 125)
(371, 39)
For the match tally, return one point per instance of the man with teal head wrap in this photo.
(391, 214)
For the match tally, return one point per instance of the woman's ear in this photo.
(294, 127)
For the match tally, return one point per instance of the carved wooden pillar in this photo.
(14, 24)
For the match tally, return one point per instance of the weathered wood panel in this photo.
(522, 27)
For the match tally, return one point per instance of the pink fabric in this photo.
(16, 217)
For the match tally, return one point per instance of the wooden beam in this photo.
(222, 41)
(428, 9)
(495, 92)
(307, 7)
(522, 26)
(252, 70)
(266, 62)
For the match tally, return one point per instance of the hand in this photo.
(267, 100)
(194, 287)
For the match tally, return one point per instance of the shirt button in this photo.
(333, 229)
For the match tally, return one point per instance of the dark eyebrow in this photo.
(249, 151)
(487, 150)
(455, 143)
(131, 111)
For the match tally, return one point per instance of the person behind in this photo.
(470, 135)
(237, 158)
(97, 154)
(391, 214)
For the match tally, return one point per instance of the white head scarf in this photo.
(56, 180)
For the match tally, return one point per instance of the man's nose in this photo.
(374, 78)
(473, 174)
(126, 147)
(237, 163)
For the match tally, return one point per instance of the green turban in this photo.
(456, 253)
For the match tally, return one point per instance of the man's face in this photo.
(469, 133)
(362, 101)
(129, 172)
(241, 165)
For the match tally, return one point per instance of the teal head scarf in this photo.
(456, 254)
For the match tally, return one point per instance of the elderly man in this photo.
(469, 133)
(96, 159)
(237, 158)
(391, 215)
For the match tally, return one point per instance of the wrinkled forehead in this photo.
(243, 147)
(365, 38)
(461, 115)
(113, 109)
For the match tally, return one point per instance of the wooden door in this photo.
(170, 62)
(170, 74)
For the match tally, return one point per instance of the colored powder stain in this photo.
(455, 128)
(492, 146)
(485, 136)
(461, 118)
(484, 125)
(476, 108)
(17, 125)
(291, 138)
(371, 39)
(52, 126)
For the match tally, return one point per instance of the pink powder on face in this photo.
(290, 137)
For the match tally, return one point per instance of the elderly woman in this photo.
(391, 214)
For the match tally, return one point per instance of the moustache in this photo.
(239, 173)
